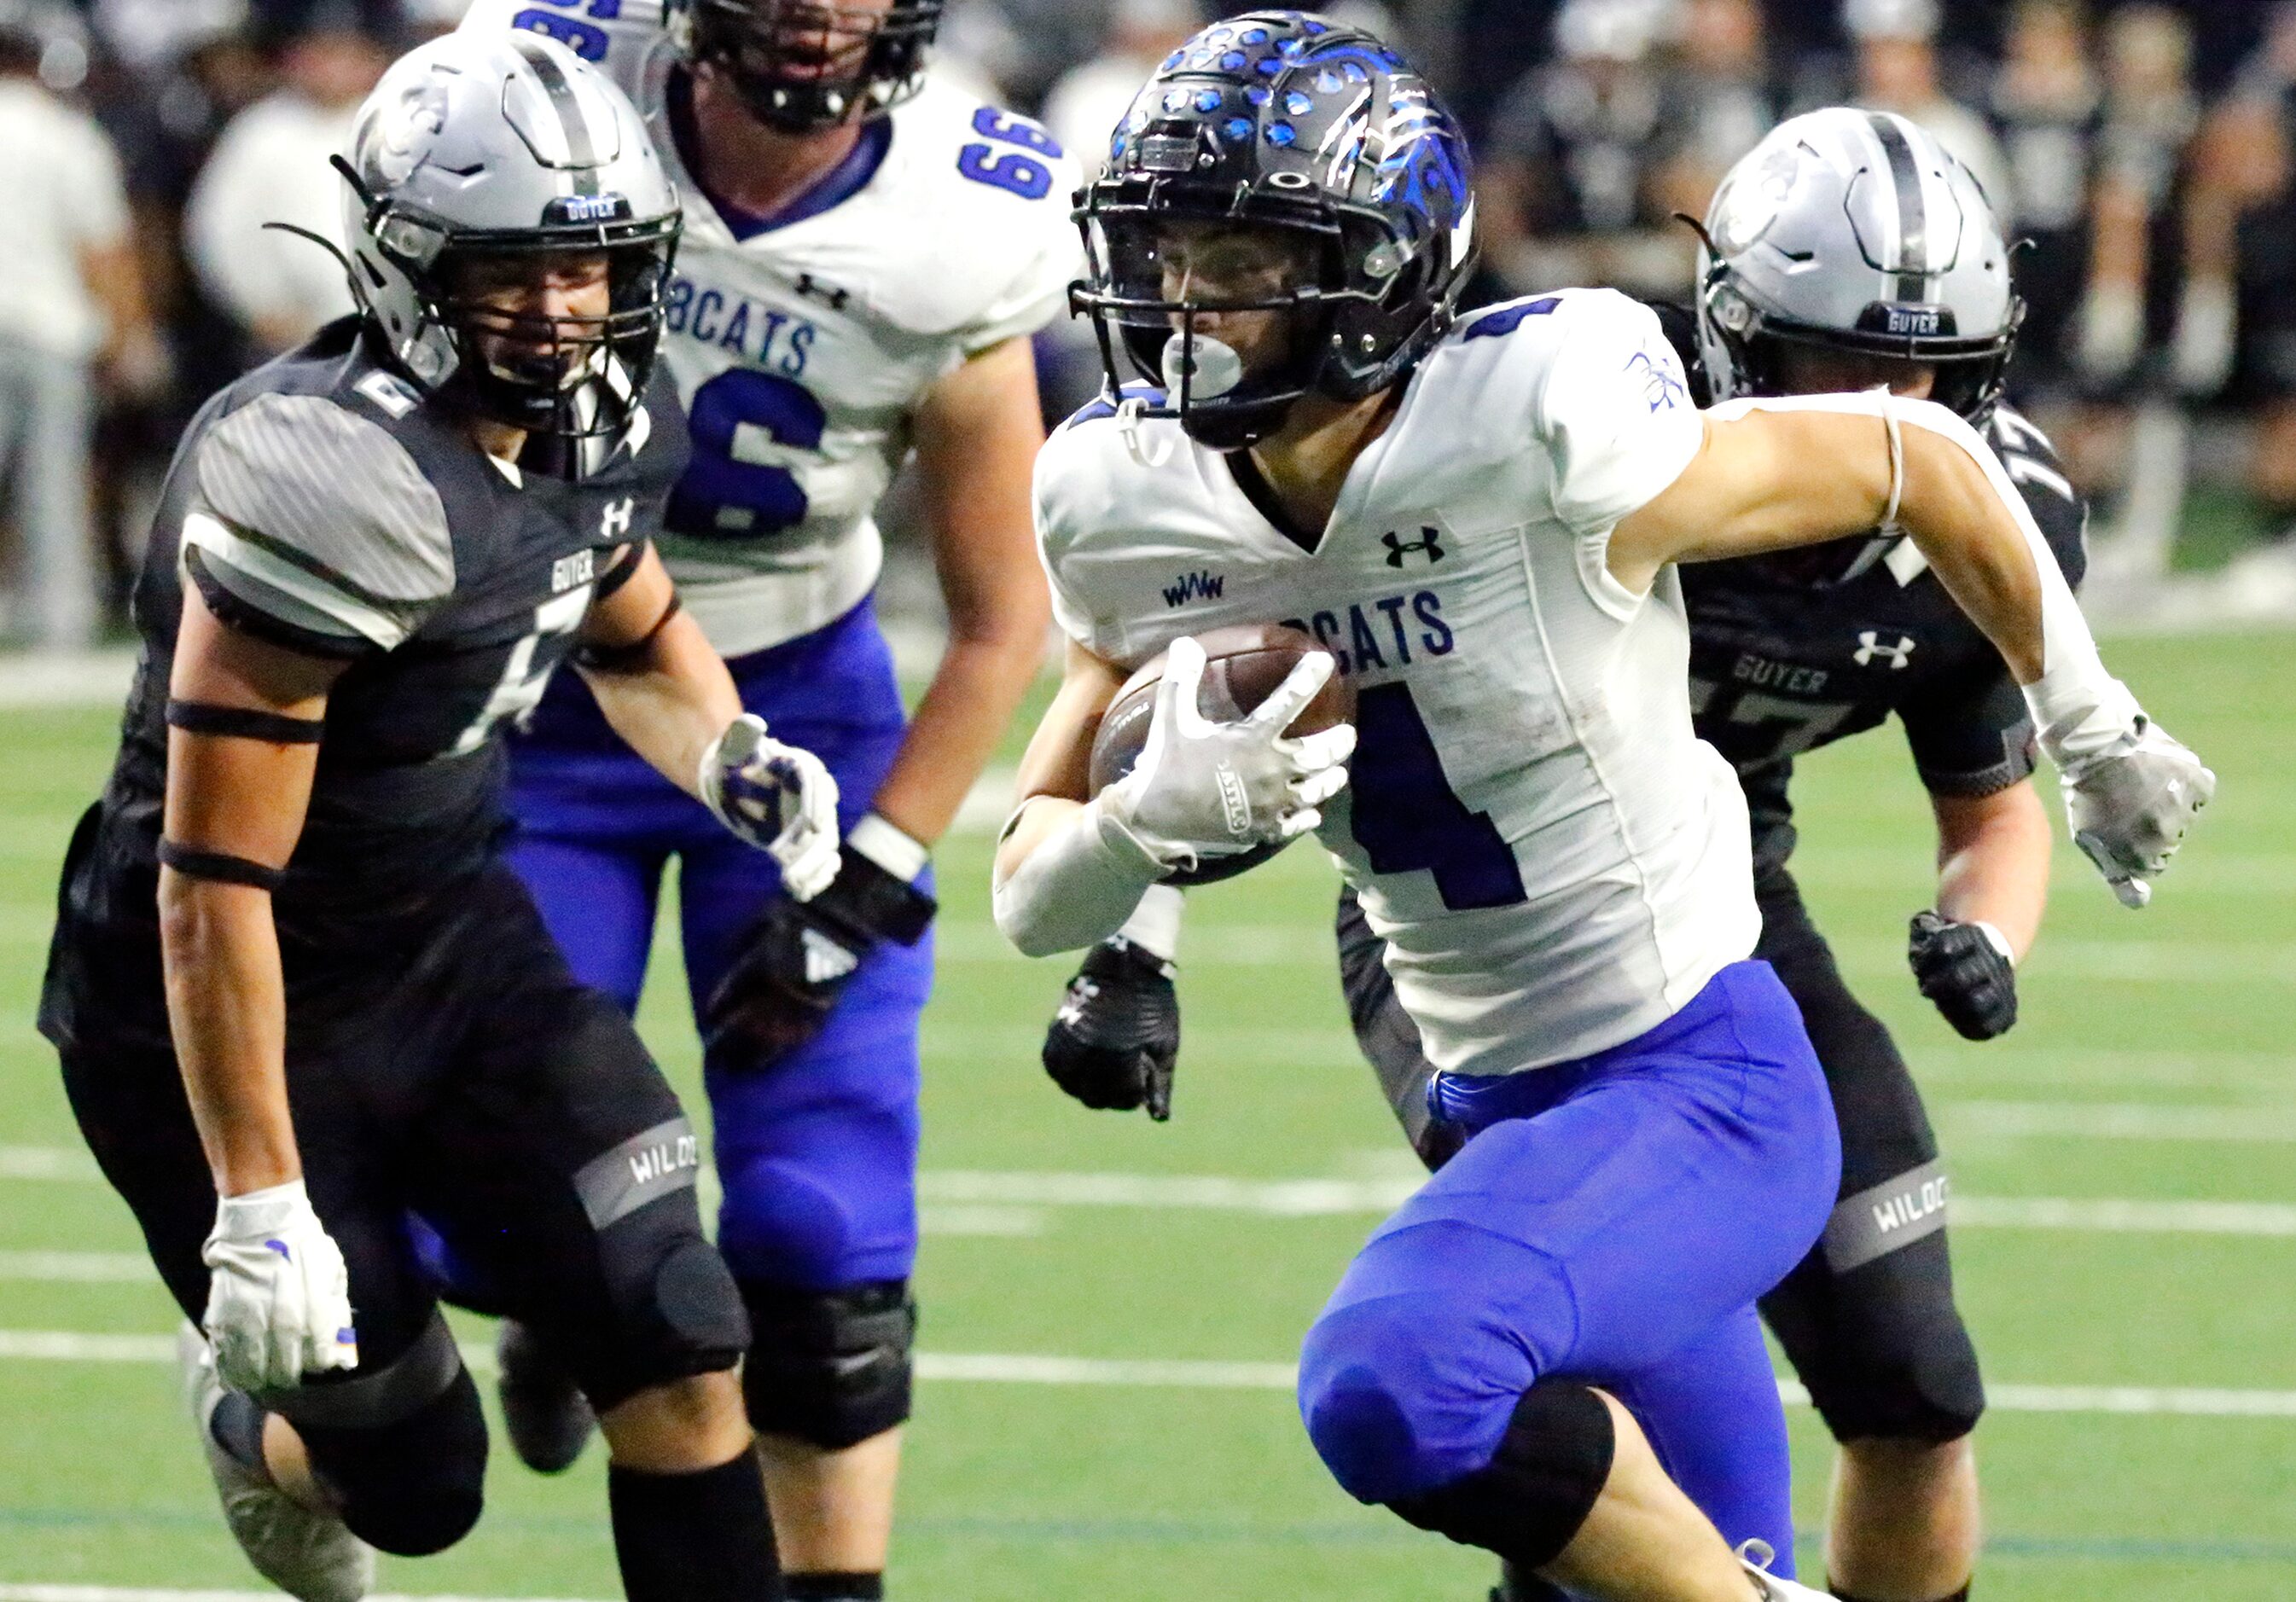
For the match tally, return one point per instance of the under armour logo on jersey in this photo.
(1870, 646)
(825, 961)
(828, 294)
(1428, 545)
(615, 524)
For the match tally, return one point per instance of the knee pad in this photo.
(680, 1312)
(1531, 1498)
(832, 1368)
(411, 1482)
(1882, 1348)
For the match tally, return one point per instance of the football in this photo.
(1245, 662)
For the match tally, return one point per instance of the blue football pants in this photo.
(1610, 1222)
(818, 1152)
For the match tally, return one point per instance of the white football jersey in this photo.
(1557, 863)
(802, 351)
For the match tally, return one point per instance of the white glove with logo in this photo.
(278, 1299)
(779, 798)
(2131, 788)
(1201, 789)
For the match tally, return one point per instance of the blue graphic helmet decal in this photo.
(1287, 122)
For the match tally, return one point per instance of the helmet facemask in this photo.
(552, 330)
(802, 67)
(1229, 319)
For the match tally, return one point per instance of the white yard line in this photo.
(47, 1162)
(95, 678)
(91, 1268)
(1195, 1374)
(2119, 1120)
(1011, 1203)
(2246, 963)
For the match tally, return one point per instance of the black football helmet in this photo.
(802, 67)
(1317, 146)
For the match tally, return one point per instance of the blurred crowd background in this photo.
(2144, 150)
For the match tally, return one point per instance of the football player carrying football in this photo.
(865, 254)
(1552, 1349)
(1788, 653)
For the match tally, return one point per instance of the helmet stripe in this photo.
(1912, 215)
(581, 150)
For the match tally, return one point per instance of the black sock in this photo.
(1841, 1596)
(699, 1537)
(824, 1586)
(237, 1427)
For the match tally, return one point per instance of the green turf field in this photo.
(2143, 1349)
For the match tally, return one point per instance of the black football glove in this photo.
(1117, 1036)
(1965, 974)
(797, 956)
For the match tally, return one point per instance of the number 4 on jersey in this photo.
(1406, 817)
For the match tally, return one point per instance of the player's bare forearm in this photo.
(964, 714)
(1993, 861)
(233, 796)
(1967, 529)
(977, 434)
(1777, 474)
(661, 686)
(227, 1013)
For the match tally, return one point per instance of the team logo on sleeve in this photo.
(1662, 385)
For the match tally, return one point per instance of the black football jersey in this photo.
(318, 503)
(1780, 665)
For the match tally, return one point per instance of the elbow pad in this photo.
(1076, 887)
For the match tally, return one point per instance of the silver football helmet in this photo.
(1856, 231)
(489, 149)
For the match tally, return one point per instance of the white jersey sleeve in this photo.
(1613, 408)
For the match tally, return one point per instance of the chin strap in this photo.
(1130, 413)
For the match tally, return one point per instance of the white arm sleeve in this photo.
(1076, 887)
(2078, 707)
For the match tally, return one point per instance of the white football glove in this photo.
(777, 798)
(278, 1299)
(2131, 791)
(1201, 789)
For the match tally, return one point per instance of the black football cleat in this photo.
(548, 1418)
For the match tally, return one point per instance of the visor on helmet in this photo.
(1228, 318)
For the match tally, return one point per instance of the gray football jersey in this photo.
(321, 504)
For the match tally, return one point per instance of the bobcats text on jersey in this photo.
(802, 344)
(1557, 863)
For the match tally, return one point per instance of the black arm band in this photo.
(631, 657)
(625, 568)
(220, 867)
(205, 717)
